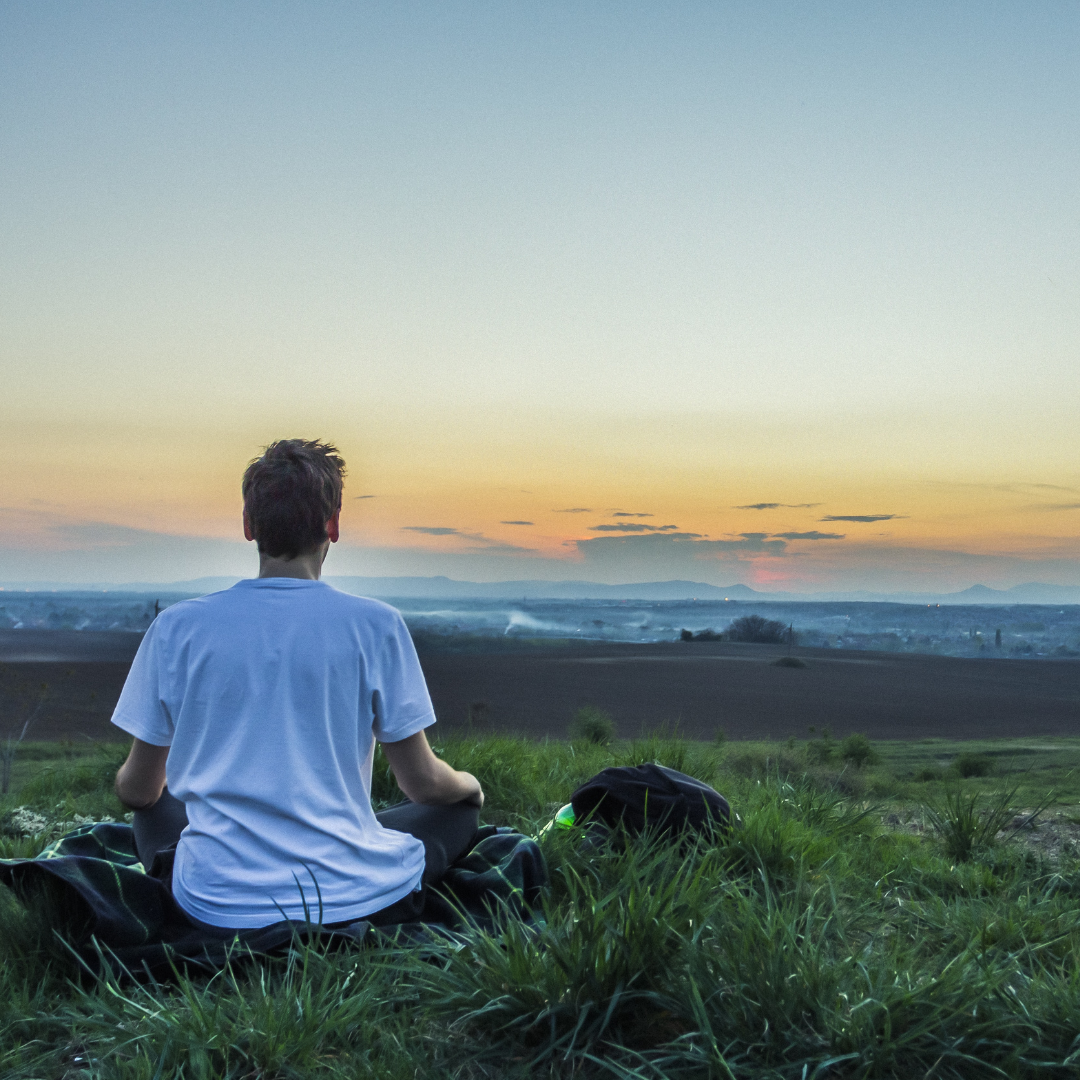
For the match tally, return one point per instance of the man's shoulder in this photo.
(363, 606)
(184, 610)
(193, 604)
(186, 617)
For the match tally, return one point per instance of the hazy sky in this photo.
(785, 294)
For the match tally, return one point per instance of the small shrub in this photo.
(789, 661)
(478, 714)
(969, 764)
(927, 774)
(856, 750)
(757, 631)
(593, 725)
(820, 751)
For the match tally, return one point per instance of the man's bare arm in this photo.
(427, 780)
(141, 779)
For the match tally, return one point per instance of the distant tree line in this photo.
(749, 628)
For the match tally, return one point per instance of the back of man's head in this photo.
(290, 493)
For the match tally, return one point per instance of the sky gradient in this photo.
(682, 261)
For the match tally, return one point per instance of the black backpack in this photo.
(640, 795)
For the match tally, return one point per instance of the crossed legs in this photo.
(445, 831)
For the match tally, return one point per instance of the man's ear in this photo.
(248, 534)
(332, 526)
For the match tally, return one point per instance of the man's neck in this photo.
(306, 566)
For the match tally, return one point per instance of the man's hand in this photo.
(425, 779)
(141, 779)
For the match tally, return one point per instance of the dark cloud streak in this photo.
(776, 506)
(813, 535)
(633, 527)
(482, 544)
(861, 517)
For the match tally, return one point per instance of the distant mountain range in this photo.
(448, 588)
(444, 588)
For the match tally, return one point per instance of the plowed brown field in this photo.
(699, 686)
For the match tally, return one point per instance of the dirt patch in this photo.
(1053, 835)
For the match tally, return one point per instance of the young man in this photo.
(260, 707)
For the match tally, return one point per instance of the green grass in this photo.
(812, 941)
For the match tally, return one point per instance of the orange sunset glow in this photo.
(610, 312)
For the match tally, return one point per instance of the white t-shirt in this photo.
(271, 695)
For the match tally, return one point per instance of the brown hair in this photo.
(290, 493)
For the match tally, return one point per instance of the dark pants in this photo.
(445, 831)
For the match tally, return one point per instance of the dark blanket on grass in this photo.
(90, 886)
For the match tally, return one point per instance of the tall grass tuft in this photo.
(969, 822)
(311, 1013)
(618, 933)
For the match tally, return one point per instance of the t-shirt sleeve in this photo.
(400, 701)
(142, 710)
